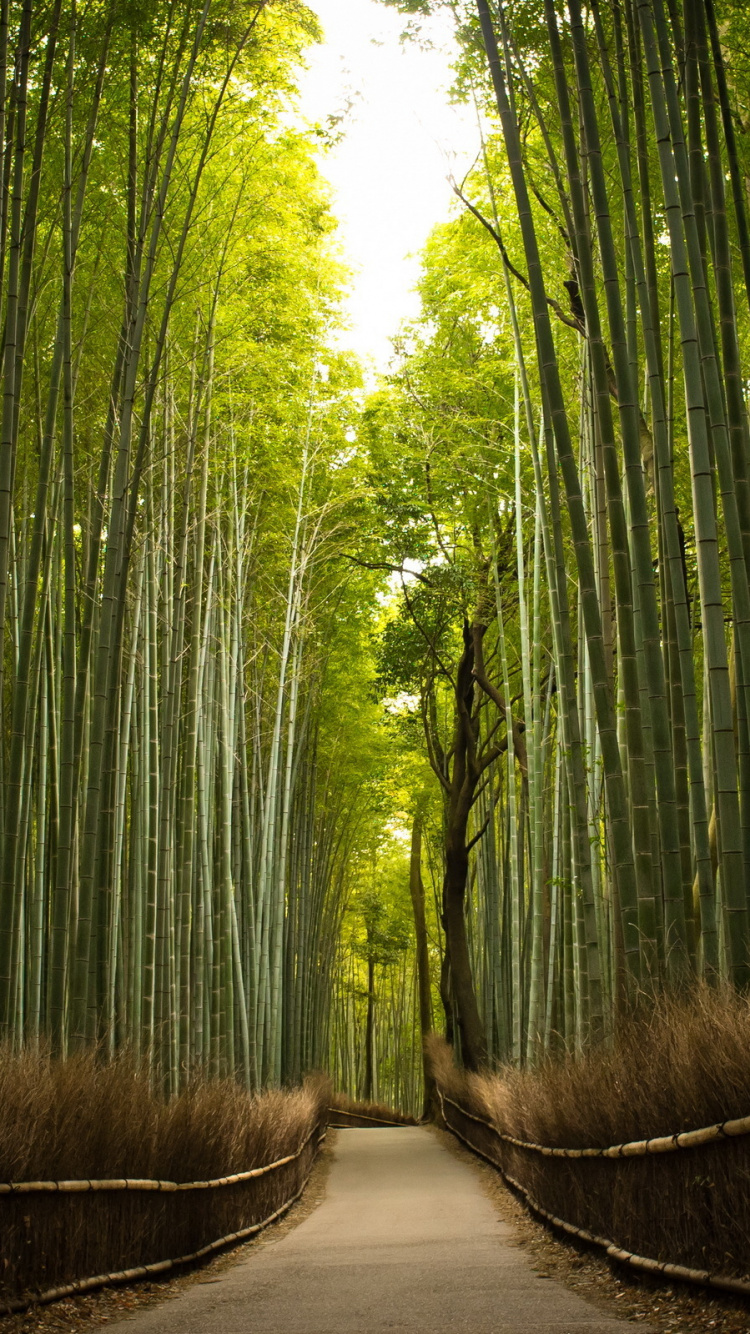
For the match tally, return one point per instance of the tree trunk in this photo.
(471, 1029)
(446, 995)
(423, 963)
(370, 1030)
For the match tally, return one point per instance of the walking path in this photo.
(405, 1241)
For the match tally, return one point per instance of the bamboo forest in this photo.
(333, 713)
(375, 664)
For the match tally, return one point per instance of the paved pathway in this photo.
(404, 1241)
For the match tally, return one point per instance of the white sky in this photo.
(389, 172)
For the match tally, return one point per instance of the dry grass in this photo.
(682, 1064)
(82, 1119)
(367, 1112)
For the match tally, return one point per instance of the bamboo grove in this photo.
(566, 521)
(175, 479)
(328, 718)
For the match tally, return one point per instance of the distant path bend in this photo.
(404, 1241)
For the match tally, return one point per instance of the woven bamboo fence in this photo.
(676, 1206)
(58, 1238)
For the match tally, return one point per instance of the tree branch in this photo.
(519, 728)
(572, 323)
(386, 565)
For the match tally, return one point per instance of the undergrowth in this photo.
(676, 1064)
(379, 1111)
(84, 1119)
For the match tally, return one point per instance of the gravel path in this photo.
(405, 1241)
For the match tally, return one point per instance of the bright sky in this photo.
(402, 139)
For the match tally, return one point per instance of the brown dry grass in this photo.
(379, 1111)
(678, 1065)
(82, 1119)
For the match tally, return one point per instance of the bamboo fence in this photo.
(636, 1148)
(690, 1210)
(66, 1238)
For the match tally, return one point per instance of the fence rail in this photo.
(145, 1183)
(636, 1148)
(362, 1116)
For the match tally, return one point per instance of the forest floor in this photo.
(609, 1293)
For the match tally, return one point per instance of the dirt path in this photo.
(405, 1240)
